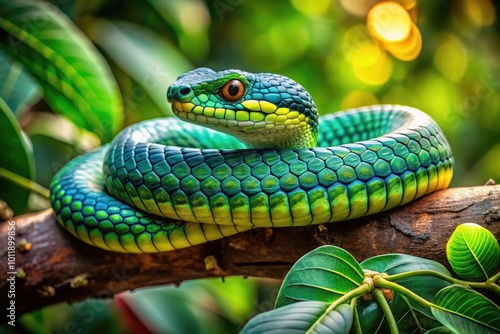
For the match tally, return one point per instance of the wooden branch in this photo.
(56, 258)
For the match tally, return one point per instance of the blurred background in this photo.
(439, 56)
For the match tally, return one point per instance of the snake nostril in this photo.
(185, 90)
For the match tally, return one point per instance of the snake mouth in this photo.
(220, 118)
(257, 123)
(248, 119)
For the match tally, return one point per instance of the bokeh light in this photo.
(451, 57)
(409, 48)
(479, 12)
(411, 7)
(358, 7)
(311, 7)
(391, 24)
(372, 65)
(388, 21)
(358, 98)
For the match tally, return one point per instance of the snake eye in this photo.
(232, 91)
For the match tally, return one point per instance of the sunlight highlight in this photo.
(392, 26)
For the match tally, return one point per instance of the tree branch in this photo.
(56, 258)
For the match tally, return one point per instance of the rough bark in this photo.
(56, 258)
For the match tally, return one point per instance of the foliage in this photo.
(73, 73)
(74, 77)
(473, 252)
(305, 317)
(388, 293)
(200, 306)
(18, 156)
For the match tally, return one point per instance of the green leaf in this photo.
(16, 157)
(473, 252)
(466, 311)
(324, 274)
(193, 307)
(17, 87)
(440, 330)
(88, 316)
(138, 104)
(371, 315)
(192, 34)
(302, 317)
(151, 61)
(165, 309)
(76, 80)
(392, 264)
(55, 142)
(234, 296)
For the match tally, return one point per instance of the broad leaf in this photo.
(193, 307)
(440, 330)
(466, 311)
(192, 34)
(324, 274)
(138, 104)
(399, 263)
(73, 75)
(17, 87)
(473, 252)
(302, 317)
(17, 157)
(234, 296)
(372, 318)
(89, 316)
(150, 60)
(167, 310)
(55, 142)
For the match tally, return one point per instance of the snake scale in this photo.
(246, 150)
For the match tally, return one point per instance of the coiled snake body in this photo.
(166, 184)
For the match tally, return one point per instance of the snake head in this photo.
(261, 109)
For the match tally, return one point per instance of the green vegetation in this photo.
(390, 293)
(73, 73)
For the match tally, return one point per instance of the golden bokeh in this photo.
(410, 6)
(311, 7)
(479, 12)
(371, 65)
(391, 25)
(388, 21)
(451, 57)
(358, 98)
(407, 49)
(358, 7)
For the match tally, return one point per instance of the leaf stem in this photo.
(391, 321)
(495, 278)
(412, 312)
(24, 182)
(356, 324)
(488, 285)
(383, 283)
(360, 290)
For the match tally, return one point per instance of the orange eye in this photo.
(232, 91)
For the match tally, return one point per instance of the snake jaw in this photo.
(274, 111)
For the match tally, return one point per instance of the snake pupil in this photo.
(233, 89)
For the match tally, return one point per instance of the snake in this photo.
(246, 150)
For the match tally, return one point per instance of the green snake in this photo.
(246, 150)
